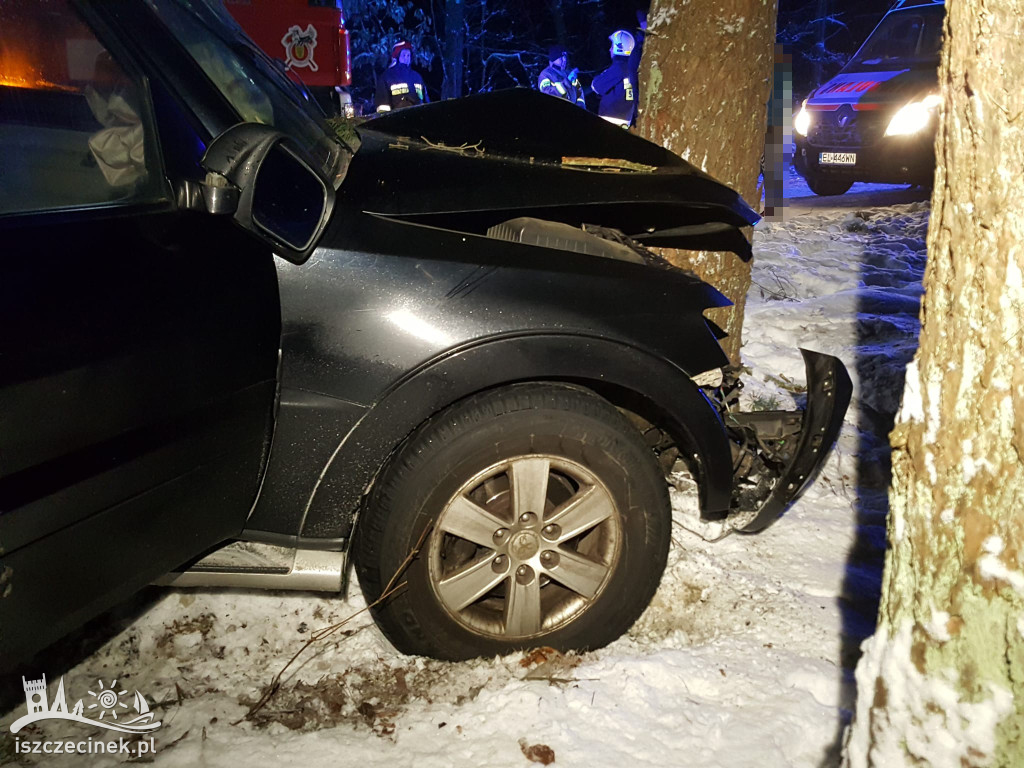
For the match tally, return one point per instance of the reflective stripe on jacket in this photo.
(400, 86)
(554, 81)
(617, 87)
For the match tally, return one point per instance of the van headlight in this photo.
(914, 117)
(802, 121)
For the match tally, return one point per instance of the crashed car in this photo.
(242, 352)
(876, 120)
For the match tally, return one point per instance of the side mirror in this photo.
(259, 176)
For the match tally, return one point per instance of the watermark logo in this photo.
(106, 707)
(299, 46)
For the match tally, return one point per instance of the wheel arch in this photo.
(628, 377)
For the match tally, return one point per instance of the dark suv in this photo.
(241, 351)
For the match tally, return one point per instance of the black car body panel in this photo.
(136, 401)
(403, 318)
(168, 385)
(849, 115)
(471, 163)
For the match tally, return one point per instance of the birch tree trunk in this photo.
(941, 683)
(705, 78)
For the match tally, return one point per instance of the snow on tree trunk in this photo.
(705, 78)
(941, 683)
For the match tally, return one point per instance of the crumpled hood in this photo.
(468, 164)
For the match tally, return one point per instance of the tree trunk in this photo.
(483, 46)
(558, 17)
(705, 79)
(942, 680)
(454, 48)
(819, 47)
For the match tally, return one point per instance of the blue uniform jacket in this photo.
(617, 87)
(555, 81)
(400, 86)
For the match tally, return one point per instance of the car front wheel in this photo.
(547, 524)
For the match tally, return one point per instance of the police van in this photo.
(876, 120)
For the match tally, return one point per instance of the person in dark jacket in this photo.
(400, 85)
(554, 80)
(617, 85)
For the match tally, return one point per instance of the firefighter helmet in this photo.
(401, 45)
(622, 42)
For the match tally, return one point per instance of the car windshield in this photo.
(911, 38)
(247, 77)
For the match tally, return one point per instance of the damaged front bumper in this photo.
(777, 454)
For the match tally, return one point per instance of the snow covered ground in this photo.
(745, 657)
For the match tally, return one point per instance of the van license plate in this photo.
(838, 158)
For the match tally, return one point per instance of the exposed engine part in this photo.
(649, 257)
(774, 453)
(712, 378)
(563, 237)
(726, 395)
(762, 444)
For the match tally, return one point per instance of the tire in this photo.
(827, 187)
(496, 573)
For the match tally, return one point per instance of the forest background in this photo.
(472, 46)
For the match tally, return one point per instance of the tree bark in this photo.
(705, 79)
(821, 23)
(454, 48)
(942, 680)
(558, 17)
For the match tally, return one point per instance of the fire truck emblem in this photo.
(299, 46)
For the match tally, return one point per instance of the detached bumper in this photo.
(800, 450)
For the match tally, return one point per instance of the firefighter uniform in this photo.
(400, 85)
(554, 80)
(617, 85)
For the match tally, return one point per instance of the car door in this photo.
(138, 343)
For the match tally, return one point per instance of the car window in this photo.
(903, 37)
(72, 125)
(250, 81)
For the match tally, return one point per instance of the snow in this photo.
(938, 626)
(745, 657)
(991, 567)
(925, 716)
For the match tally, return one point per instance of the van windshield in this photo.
(910, 38)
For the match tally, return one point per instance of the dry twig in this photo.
(608, 163)
(461, 149)
(325, 632)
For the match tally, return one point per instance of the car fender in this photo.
(657, 389)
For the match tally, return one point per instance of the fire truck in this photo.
(309, 38)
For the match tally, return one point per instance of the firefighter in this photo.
(400, 85)
(554, 80)
(617, 85)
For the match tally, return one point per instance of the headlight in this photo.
(802, 121)
(914, 117)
